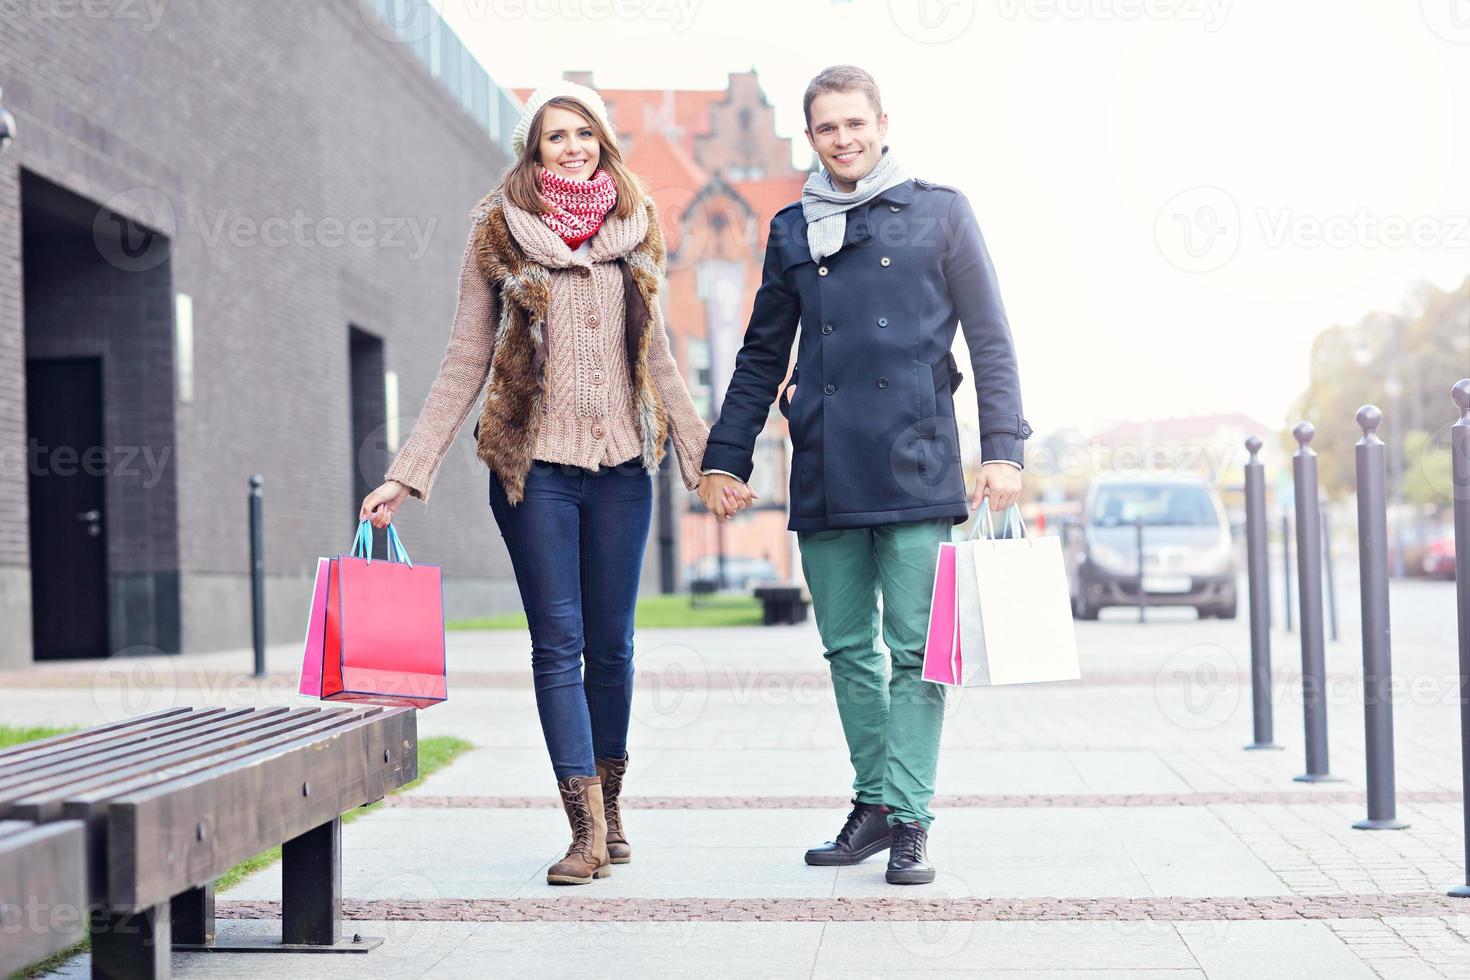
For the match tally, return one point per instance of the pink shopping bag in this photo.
(942, 654)
(376, 629)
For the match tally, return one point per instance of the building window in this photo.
(696, 351)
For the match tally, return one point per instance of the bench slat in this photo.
(242, 807)
(100, 757)
(42, 799)
(133, 736)
(91, 805)
(43, 896)
(86, 735)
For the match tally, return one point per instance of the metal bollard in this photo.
(1142, 598)
(1309, 591)
(1286, 567)
(1331, 581)
(1460, 467)
(1257, 567)
(257, 575)
(1373, 587)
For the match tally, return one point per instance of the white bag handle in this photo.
(1011, 512)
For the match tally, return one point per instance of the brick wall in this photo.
(266, 139)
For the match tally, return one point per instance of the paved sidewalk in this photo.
(1108, 828)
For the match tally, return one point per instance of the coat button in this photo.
(826, 328)
(882, 382)
(829, 389)
(583, 271)
(822, 271)
(598, 431)
(592, 319)
(597, 377)
(883, 321)
(884, 261)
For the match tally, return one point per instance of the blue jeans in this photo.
(576, 543)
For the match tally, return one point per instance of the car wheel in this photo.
(1082, 609)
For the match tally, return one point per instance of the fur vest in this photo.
(505, 438)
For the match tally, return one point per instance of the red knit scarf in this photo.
(580, 204)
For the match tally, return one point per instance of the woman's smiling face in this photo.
(568, 146)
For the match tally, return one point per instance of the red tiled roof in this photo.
(770, 194)
(663, 165)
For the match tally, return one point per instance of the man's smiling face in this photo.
(847, 133)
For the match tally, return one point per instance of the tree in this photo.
(1405, 363)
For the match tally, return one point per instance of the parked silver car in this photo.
(1188, 556)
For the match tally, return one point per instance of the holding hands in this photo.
(724, 496)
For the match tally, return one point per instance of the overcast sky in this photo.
(1178, 194)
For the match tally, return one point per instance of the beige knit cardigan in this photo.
(589, 417)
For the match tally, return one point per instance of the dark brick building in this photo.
(229, 240)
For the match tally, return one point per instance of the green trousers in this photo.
(892, 718)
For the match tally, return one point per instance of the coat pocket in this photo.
(924, 382)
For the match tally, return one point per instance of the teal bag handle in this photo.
(396, 550)
(362, 546)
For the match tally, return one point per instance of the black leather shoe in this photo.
(864, 834)
(908, 858)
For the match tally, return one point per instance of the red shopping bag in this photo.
(376, 629)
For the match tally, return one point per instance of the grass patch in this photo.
(14, 736)
(434, 753)
(653, 612)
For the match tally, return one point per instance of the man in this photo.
(877, 268)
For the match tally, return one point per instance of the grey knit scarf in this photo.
(826, 208)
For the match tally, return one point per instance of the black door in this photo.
(68, 538)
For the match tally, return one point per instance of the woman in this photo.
(558, 305)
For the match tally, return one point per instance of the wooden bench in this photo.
(700, 590)
(781, 604)
(43, 891)
(165, 803)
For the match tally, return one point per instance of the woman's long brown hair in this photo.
(522, 188)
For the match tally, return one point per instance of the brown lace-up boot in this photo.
(611, 772)
(581, 797)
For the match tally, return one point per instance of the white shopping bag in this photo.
(1013, 610)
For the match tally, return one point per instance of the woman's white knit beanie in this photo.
(545, 94)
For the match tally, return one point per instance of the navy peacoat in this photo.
(873, 431)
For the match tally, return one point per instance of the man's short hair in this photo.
(841, 78)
